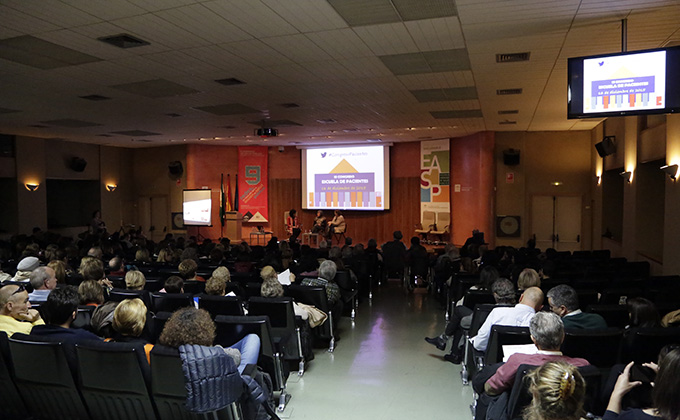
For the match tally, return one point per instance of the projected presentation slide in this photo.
(196, 207)
(624, 82)
(349, 177)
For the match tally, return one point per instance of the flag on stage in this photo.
(236, 197)
(229, 207)
(222, 201)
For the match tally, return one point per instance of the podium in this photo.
(232, 226)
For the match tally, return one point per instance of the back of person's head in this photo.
(268, 273)
(135, 280)
(115, 263)
(60, 305)
(91, 291)
(642, 313)
(187, 269)
(142, 255)
(487, 277)
(547, 330)
(174, 284)
(503, 291)
(216, 255)
(667, 387)
(223, 273)
(415, 241)
(215, 286)
(558, 391)
(129, 317)
(348, 241)
(59, 268)
(533, 297)
(188, 326)
(271, 288)
(528, 278)
(335, 252)
(327, 270)
(91, 268)
(564, 295)
(39, 276)
(397, 235)
(95, 252)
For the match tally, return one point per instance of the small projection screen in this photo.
(197, 207)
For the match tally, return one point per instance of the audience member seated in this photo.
(194, 326)
(327, 271)
(92, 268)
(25, 268)
(116, 267)
(563, 301)
(173, 284)
(60, 310)
(187, 270)
(231, 288)
(129, 319)
(528, 278)
(504, 294)
(520, 315)
(642, 313)
(665, 392)
(271, 287)
(60, 270)
(16, 314)
(394, 255)
(417, 259)
(547, 333)
(142, 256)
(135, 280)
(43, 280)
(558, 393)
(91, 293)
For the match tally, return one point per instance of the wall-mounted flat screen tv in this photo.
(630, 83)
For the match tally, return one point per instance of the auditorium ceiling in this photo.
(319, 71)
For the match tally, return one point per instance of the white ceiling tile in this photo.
(340, 43)
(386, 39)
(253, 17)
(297, 48)
(307, 15)
(437, 34)
(202, 22)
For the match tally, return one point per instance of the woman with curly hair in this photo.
(194, 326)
(558, 392)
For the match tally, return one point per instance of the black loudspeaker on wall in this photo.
(511, 157)
(77, 164)
(606, 147)
(175, 169)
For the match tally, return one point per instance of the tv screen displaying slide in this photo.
(197, 207)
(346, 177)
(641, 82)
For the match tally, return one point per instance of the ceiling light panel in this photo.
(425, 9)
(387, 39)
(365, 12)
(158, 88)
(437, 34)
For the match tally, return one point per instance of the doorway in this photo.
(556, 222)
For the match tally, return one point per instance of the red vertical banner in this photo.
(252, 184)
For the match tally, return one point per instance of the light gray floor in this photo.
(382, 368)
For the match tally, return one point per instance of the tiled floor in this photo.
(383, 368)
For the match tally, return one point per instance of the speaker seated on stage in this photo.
(337, 225)
(320, 223)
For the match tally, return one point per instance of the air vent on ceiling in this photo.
(123, 41)
(230, 81)
(290, 105)
(173, 114)
(508, 91)
(506, 122)
(508, 111)
(95, 97)
(38, 126)
(142, 140)
(104, 135)
(512, 58)
(326, 121)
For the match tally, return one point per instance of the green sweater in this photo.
(584, 321)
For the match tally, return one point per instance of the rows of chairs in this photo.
(108, 381)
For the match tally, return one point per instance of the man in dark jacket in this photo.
(563, 301)
(394, 255)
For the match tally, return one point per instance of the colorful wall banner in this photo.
(252, 184)
(435, 178)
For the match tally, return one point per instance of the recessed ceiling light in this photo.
(124, 41)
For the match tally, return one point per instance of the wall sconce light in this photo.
(31, 187)
(111, 187)
(598, 179)
(626, 175)
(670, 170)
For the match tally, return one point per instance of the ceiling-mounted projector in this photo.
(267, 132)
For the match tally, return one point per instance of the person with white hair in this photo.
(43, 280)
(327, 271)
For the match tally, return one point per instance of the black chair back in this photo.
(615, 315)
(115, 379)
(642, 345)
(159, 321)
(168, 390)
(47, 384)
(316, 296)
(502, 335)
(221, 305)
(83, 317)
(12, 406)
(194, 287)
(599, 347)
(282, 320)
(170, 302)
(478, 297)
(119, 295)
(253, 289)
(587, 297)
